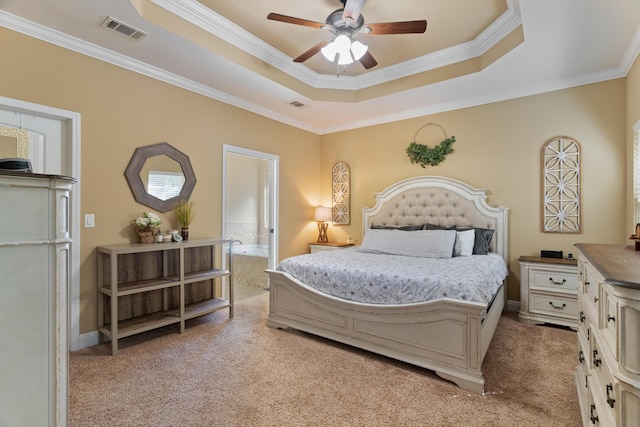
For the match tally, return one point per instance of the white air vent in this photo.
(124, 29)
(297, 104)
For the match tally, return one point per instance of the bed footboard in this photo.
(445, 336)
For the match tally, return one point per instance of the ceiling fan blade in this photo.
(404, 27)
(296, 21)
(309, 53)
(352, 9)
(368, 61)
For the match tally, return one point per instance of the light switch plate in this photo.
(89, 220)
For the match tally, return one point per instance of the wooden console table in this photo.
(147, 286)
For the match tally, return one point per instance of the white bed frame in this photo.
(447, 336)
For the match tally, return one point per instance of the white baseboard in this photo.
(513, 306)
(86, 340)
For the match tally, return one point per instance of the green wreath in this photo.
(423, 155)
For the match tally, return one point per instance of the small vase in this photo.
(147, 236)
(184, 232)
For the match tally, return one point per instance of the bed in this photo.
(447, 335)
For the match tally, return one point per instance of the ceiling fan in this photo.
(343, 23)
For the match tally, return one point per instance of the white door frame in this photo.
(273, 196)
(72, 120)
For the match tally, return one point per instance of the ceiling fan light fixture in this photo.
(329, 51)
(343, 46)
(345, 59)
(344, 49)
(343, 43)
(358, 49)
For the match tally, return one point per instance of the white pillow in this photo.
(420, 243)
(464, 243)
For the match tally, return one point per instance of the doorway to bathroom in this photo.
(249, 216)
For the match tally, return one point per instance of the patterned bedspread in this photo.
(395, 279)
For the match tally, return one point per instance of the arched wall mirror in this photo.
(159, 176)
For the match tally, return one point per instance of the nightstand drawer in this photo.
(556, 305)
(554, 280)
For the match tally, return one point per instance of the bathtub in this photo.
(249, 265)
(255, 250)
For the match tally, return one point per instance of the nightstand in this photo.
(330, 246)
(548, 291)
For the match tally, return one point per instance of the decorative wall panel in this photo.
(341, 193)
(561, 186)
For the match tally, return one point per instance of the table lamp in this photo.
(322, 216)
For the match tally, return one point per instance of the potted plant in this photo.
(147, 226)
(184, 212)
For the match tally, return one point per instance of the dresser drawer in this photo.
(554, 279)
(585, 322)
(604, 386)
(609, 318)
(556, 305)
(629, 405)
(584, 354)
(591, 288)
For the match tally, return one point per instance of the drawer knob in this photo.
(557, 307)
(611, 318)
(582, 316)
(610, 400)
(596, 360)
(580, 356)
(556, 282)
(594, 418)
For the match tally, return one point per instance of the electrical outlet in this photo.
(89, 220)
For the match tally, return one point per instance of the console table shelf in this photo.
(147, 286)
(204, 307)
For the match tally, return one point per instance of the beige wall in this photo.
(122, 110)
(498, 147)
(633, 116)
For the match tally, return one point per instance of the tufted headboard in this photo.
(439, 201)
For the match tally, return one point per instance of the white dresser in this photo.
(548, 291)
(608, 373)
(34, 278)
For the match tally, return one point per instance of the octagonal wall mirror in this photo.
(159, 176)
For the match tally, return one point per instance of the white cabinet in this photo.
(608, 373)
(548, 291)
(34, 278)
(147, 286)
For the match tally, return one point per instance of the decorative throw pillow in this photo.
(465, 241)
(423, 243)
(401, 227)
(439, 227)
(482, 240)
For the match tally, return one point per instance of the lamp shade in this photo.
(329, 51)
(358, 49)
(322, 214)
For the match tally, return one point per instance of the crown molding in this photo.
(520, 92)
(201, 16)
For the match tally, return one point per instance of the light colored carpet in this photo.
(240, 372)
